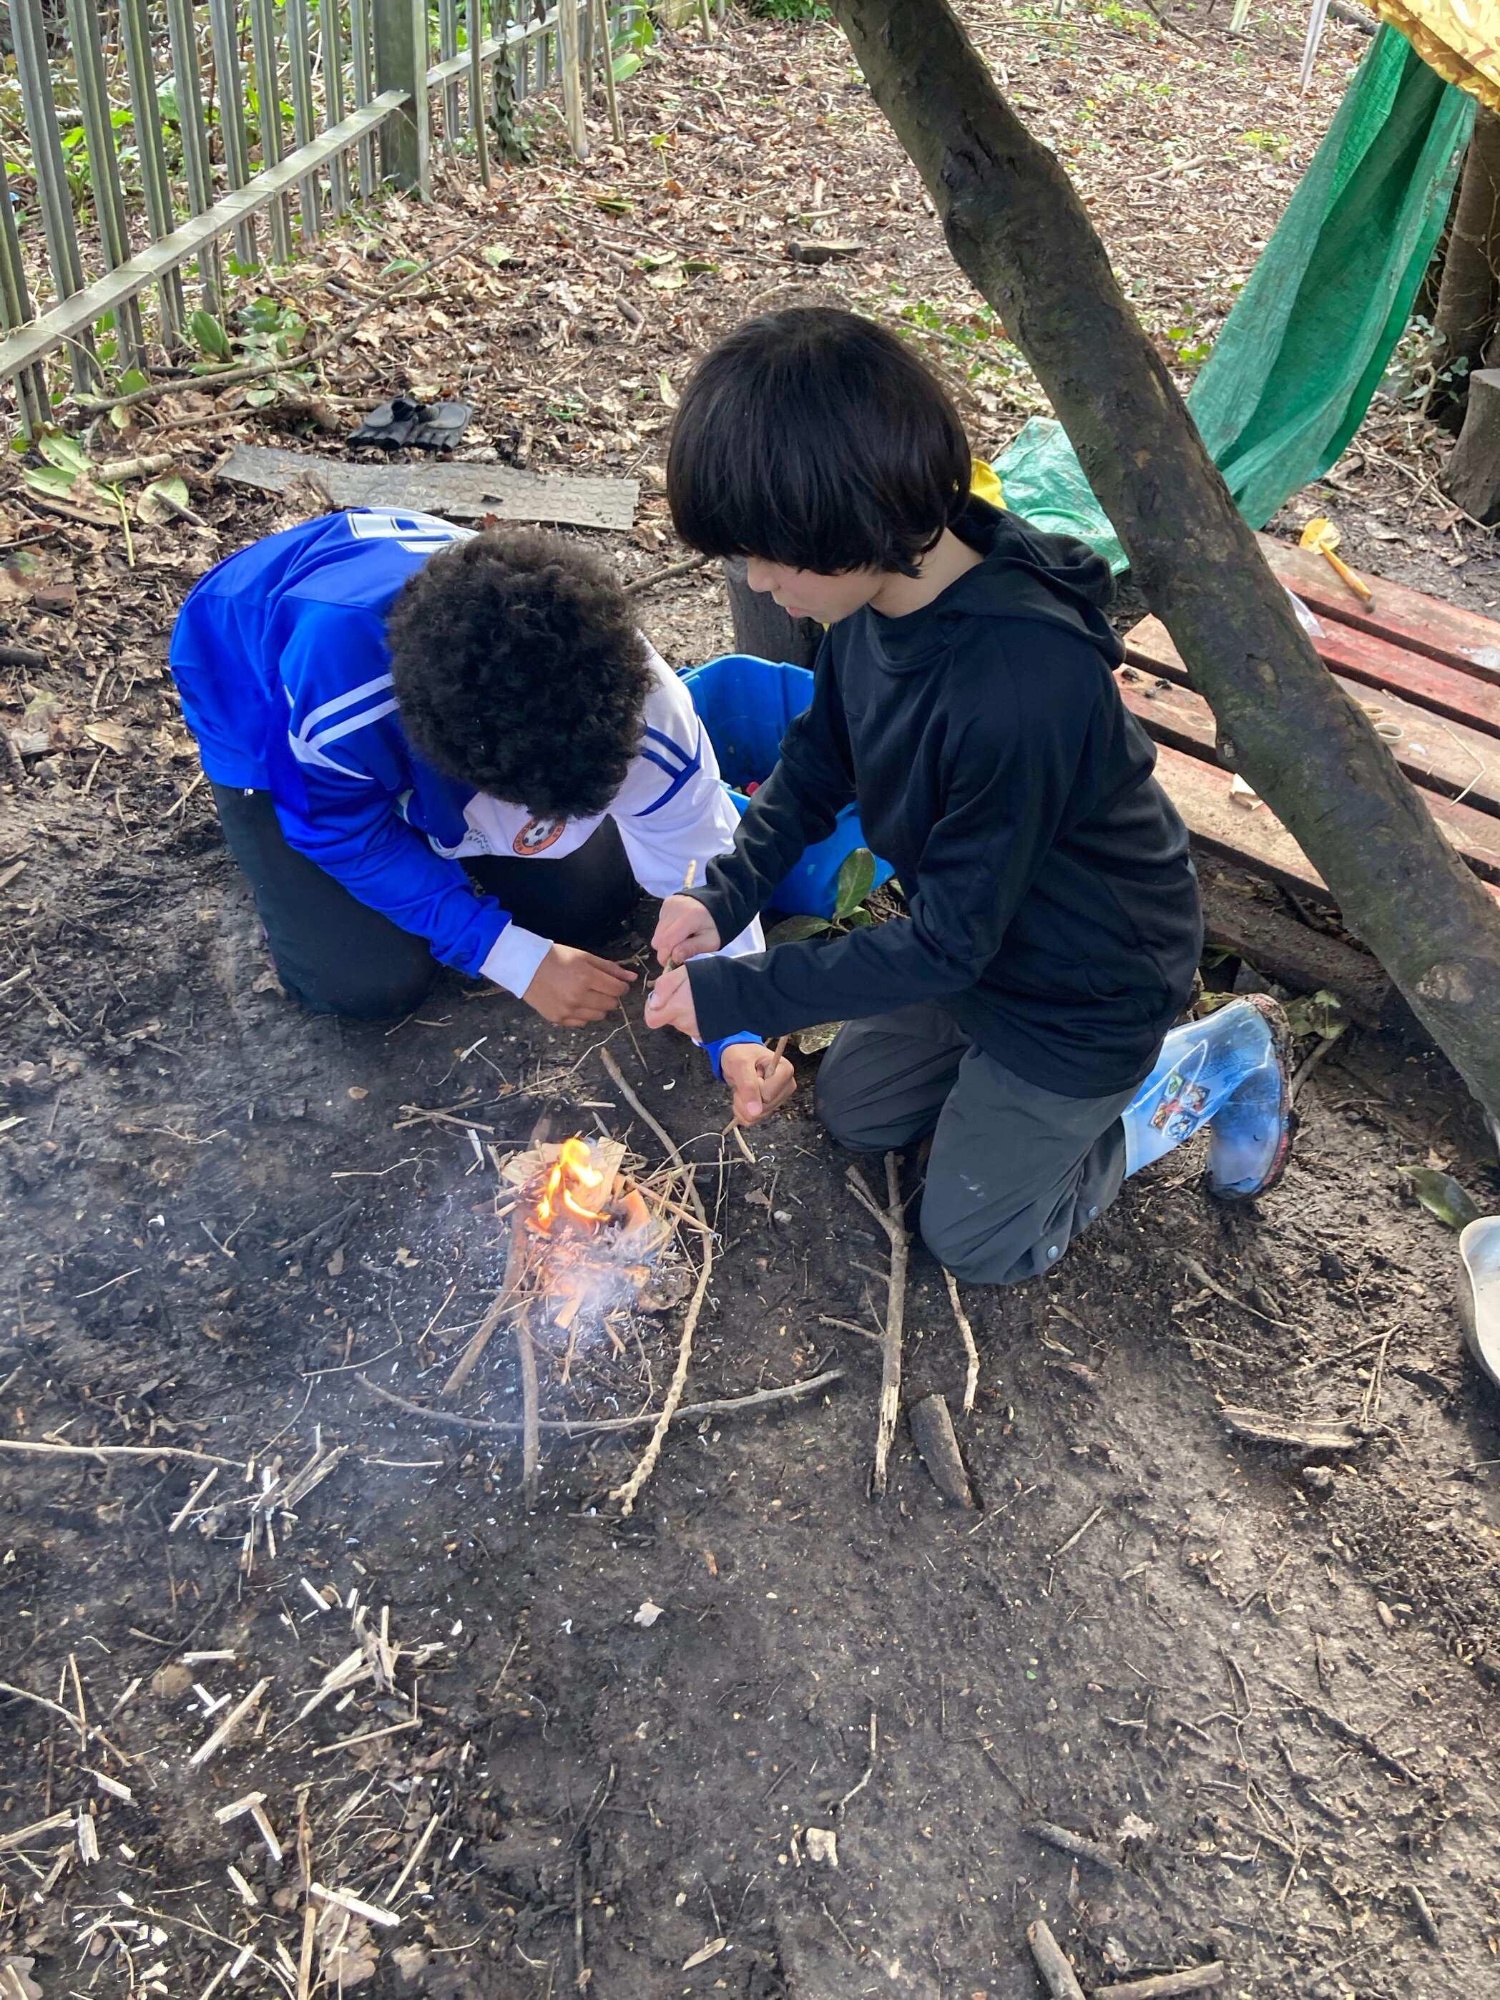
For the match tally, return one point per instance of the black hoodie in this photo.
(1053, 905)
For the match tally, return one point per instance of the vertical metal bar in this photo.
(586, 51)
(193, 125)
(104, 165)
(401, 64)
(224, 16)
(51, 171)
(268, 93)
(152, 154)
(448, 46)
(299, 56)
(31, 384)
(364, 88)
(520, 52)
(332, 33)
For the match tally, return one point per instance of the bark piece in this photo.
(1318, 1434)
(932, 1432)
(1165, 1985)
(1472, 474)
(459, 492)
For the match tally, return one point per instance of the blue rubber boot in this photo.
(1228, 1072)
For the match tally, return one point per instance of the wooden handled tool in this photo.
(1322, 538)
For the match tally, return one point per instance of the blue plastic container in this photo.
(745, 704)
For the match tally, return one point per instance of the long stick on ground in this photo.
(612, 1069)
(966, 1334)
(1052, 1964)
(531, 1447)
(515, 1271)
(626, 1494)
(104, 1452)
(892, 1220)
(725, 1406)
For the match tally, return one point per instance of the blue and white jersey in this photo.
(280, 658)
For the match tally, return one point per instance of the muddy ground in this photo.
(1259, 1680)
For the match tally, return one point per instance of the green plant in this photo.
(632, 46)
(856, 880)
(1267, 142)
(789, 10)
(1191, 347)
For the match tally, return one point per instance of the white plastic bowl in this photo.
(1479, 1292)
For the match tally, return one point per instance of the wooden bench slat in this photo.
(1182, 721)
(1464, 640)
(1439, 754)
(1257, 840)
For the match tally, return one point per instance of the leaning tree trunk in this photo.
(1470, 290)
(1017, 228)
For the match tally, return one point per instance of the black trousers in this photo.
(337, 956)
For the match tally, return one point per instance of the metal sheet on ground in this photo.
(460, 492)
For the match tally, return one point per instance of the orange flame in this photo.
(571, 1172)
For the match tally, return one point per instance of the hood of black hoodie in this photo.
(1026, 576)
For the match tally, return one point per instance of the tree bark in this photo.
(1017, 228)
(1470, 290)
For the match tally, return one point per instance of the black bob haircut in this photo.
(815, 439)
(518, 669)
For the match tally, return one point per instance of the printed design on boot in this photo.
(1183, 1103)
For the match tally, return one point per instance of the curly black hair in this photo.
(518, 669)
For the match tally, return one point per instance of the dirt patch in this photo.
(1258, 1680)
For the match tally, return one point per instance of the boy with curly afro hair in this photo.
(429, 746)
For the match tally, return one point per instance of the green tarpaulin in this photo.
(1300, 356)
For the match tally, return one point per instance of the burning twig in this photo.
(729, 1406)
(892, 1220)
(626, 1494)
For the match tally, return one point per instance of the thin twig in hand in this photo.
(966, 1334)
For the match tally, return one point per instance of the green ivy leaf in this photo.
(209, 336)
(64, 452)
(792, 930)
(856, 880)
(51, 480)
(132, 381)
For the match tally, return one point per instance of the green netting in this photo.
(1300, 356)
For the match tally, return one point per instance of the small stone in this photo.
(822, 1846)
(1317, 1478)
(1386, 1616)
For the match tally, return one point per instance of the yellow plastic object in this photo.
(1460, 39)
(1322, 537)
(984, 484)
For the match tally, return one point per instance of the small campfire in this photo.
(591, 1237)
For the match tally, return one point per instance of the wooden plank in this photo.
(1183, 720)
(1256, 840)
(1437, 753)
(461, 492)
(1460, 639)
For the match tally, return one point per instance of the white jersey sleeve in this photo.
(673, 808)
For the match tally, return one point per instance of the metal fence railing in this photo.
(159, 133)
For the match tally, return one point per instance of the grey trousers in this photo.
(1015, 1171)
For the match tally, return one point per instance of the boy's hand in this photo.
(570, 988)
(684, 930)
(669, 1004)
(761, 1080)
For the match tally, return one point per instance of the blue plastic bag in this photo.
(746, 705)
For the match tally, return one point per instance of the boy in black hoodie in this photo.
(965, 697)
